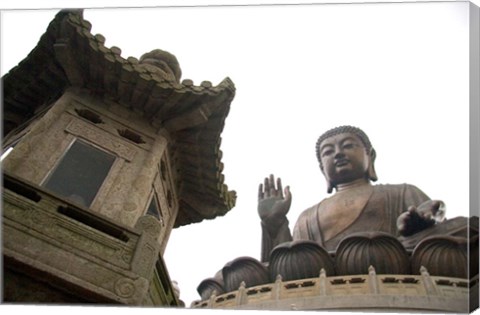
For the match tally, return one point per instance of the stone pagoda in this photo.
(106, 156)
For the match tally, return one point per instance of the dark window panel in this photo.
(81, 173)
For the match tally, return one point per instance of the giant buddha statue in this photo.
(394, 228)
(347, 159)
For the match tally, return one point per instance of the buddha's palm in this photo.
(273, 206)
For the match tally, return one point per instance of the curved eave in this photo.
(197, 158)
(68, 54)
(36, 81)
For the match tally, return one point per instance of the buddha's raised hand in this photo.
(273, 202)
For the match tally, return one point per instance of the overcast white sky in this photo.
(399, 71)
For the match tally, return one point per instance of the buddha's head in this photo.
(345, 154)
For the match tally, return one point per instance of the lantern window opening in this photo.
(153, 208)
(80, 173)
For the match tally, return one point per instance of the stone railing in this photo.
(368, 291)
(72, 249)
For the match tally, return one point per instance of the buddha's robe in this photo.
(380, 213)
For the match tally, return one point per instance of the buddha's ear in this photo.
(330, 186)
(372, 175)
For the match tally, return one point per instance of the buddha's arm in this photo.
(271, 238)
(273, 206)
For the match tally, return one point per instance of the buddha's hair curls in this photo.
(343, 129)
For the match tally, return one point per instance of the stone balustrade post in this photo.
(211, 300)
(277, 287)
(242, 294)
(373, 280)
(147, 248)
(322, 283)
(428, 283)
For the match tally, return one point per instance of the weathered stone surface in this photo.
(299, 260)
(357, 252)
(73, 255)
(372, 292)
(132, 113)
(72, 248)
(246, 270)
(442, 256)
(209, 287)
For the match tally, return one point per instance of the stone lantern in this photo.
(106, 156)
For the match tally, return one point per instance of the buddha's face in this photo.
(344, 158)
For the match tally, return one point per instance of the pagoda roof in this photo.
(68, 54)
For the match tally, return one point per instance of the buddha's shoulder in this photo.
(305, 214)
(394, 187)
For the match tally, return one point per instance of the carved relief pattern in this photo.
(111, 122)
(54, 226)
(147, 258)
(151, 227)
(84, 242)
(167, 182)
(101, 247)
(124, 288)
(99, 137)
(21, 207)
(26, 216)
(40, 220)
(126, 256)
(37, 153)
